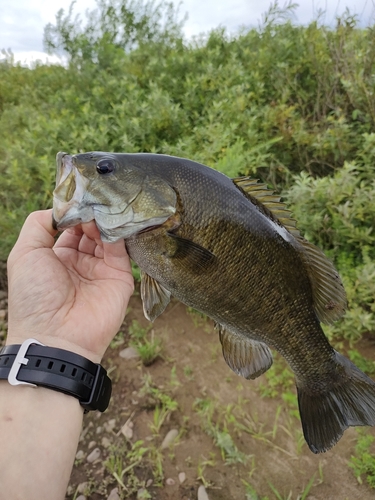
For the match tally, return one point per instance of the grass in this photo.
(363, 461)
(219, 432)
(149, 349)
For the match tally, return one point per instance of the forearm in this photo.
(39, 432)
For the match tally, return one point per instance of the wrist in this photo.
(52, 341)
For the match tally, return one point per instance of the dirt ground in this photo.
(257, 452)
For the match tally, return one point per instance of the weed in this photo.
(121, 463)
(117, 341)
(219, 432)
(164, 404)
(148, 349)
(363, 463)
(188, 372)
(251, 493)
(364, 364)
(174, 382)
(202, 464)
(199, 319)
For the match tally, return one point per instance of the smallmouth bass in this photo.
(230, 249)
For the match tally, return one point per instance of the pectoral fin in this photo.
(190, 254)
(155, 297)
(244, 356)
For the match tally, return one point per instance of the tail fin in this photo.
(349, 401)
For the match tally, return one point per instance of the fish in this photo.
(230, 249)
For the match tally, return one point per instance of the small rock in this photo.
(91, 444)
(170, 481)
(110, 425)
(70, 490)
(94, 455)
(202, 493)
(106, 443)
(114, 495)
(149, 482)
(127, 429)
(80, 455)
(99, 429)
(169, 438)
(129, 353)
(3, 313)
(81, 488)
(83, 433)
(182, 477)
(81, 497)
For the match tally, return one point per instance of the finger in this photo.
(99, 252)
(87, 245)
(70, 238)
(37, 232)
(116, 256)
(90, 229)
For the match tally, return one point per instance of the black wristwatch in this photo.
(35, 364)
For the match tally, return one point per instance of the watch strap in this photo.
(35, 364)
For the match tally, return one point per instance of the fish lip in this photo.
(65, 212)
(62, 167)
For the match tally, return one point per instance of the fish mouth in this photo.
(68, 195)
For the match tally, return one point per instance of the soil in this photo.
(191, 369)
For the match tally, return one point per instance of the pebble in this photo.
(99, 429)
(169, 438)
(202, 493)
(80, 455)
(114, 495)
(91, 444)
(170, 481)
(129, 353)
(81, 488)
(149, 482)
(127, 429)
(182, 477)
(110, 425)
(94, 455)
(3, 313)
(106, 443)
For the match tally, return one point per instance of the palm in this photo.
(79, 287)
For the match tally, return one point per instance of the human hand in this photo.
(71, 294)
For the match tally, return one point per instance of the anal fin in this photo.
(245, 356)
(155, 297)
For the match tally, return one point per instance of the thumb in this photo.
(37, 232)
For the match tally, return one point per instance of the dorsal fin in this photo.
(267, 202)
(328, 291)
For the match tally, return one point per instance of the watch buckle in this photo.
(20, 360)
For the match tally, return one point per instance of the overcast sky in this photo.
(22, 21)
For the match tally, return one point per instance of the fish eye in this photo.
(105, 166)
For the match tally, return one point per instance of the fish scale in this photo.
(230, 249)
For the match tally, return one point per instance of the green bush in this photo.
(292, 105)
